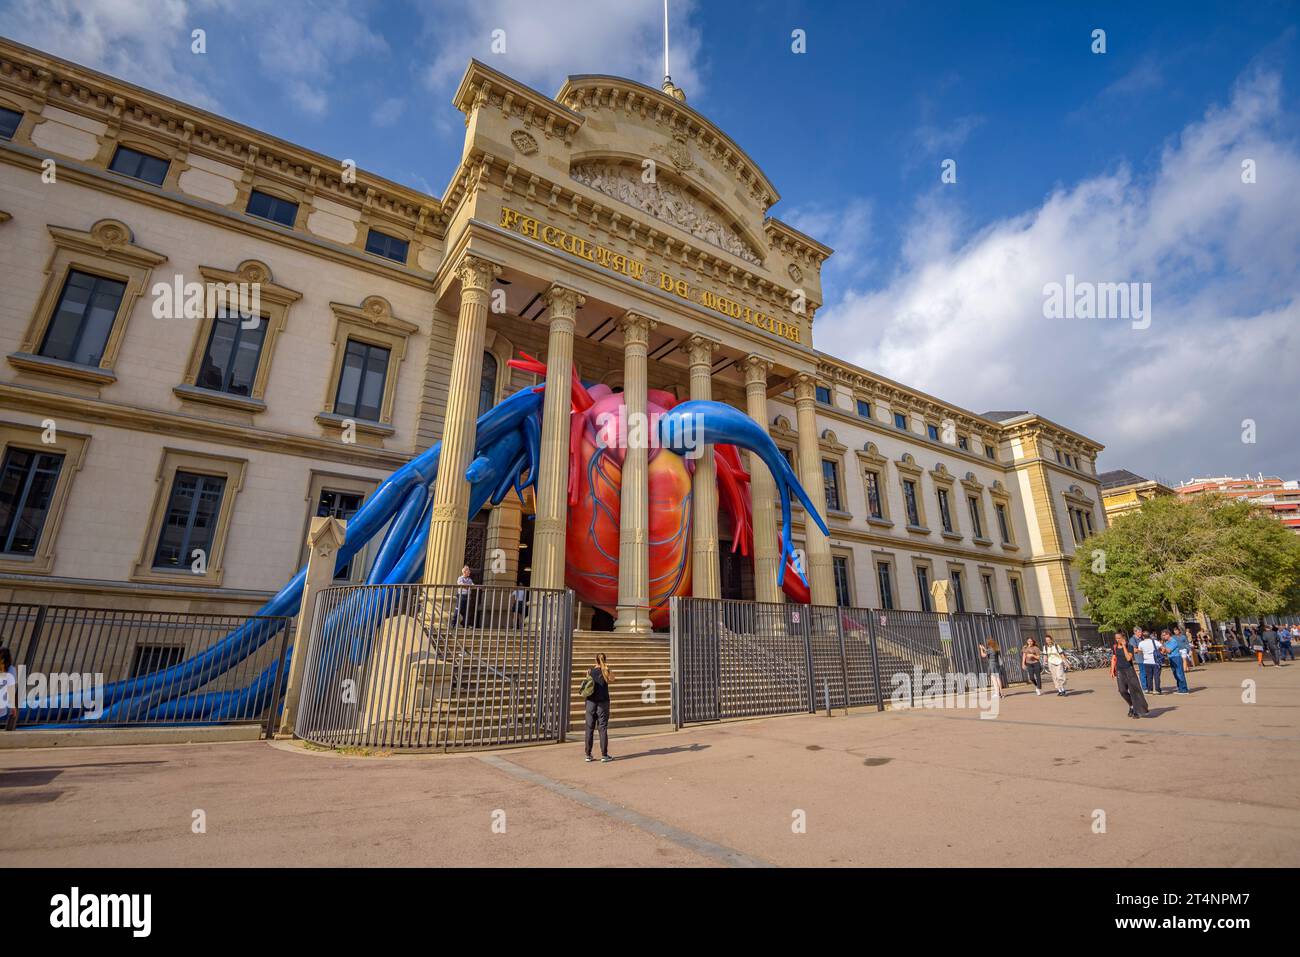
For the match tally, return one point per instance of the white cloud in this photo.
(546, 40)
(146, 42)
(963, 318)
(298, 45)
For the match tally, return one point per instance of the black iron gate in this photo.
(733, 659)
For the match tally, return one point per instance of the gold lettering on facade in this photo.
(557, 238)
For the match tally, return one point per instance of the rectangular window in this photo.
(1074, 526)
(977, 527)
(9, 120)
(230, 360)
(146, 659)
(823, 395)
(27, 481)
(1087, 519)
(1015, 595)
(840, 565)
(1058, 455)
(923, 586)
(909, 499)
(900, 420)
(83, 318)
(945, 515)
(989, 601)
(340, 505)
(831, 483)
(874, 507)
(932, 432)
(990, 452)
(1003, 526)
(864, 408)
(963, 443)
(789, 460)
(390, 247)
(959, 593)
(139, 165)
(266, 206)
(886, 585)
(190, 522)
(361, 382)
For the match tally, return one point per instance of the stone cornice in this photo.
(797, 245)
(132, 112)
(587, 92)
(1061, 437)
(25, 398)
(482, 86)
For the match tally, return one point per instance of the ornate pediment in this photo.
(666, 202)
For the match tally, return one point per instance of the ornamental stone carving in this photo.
(524, 142)
(665, 202)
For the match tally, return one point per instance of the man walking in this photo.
(1054, 655)
(1271, 645)
(1284, 638)
(1177, 663)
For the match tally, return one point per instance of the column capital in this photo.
(700, 350)
(636, 328)
(756, 369)
(563, 302)
(476, 273)
(805, 387)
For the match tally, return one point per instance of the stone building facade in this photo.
(142, 422)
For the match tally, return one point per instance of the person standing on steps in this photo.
(1031, 660)
(1057, 666)
(1122, 669)
(595, 688)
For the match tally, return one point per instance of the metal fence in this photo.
(733, 659)
(422, 667)
(101, 667)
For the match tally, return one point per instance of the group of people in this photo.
(1032, 659)
(1260, 640)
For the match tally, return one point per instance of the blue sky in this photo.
(1113, 167)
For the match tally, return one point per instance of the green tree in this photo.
(1174, 557)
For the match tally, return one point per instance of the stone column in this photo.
(817, 547)
(762, 488)
(634, 523)
(450, 518)
(553, 471)
(324, 540)
(705, 577)
(504, 523)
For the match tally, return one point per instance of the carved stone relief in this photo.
(665, 202)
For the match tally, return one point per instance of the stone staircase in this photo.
(634, 660)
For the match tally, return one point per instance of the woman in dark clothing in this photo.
(598, 707)
(1123, 670)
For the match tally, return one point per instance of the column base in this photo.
(632, 620)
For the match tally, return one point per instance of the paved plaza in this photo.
(1208, 781)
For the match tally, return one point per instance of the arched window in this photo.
(487, 389)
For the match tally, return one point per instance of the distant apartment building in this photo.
(1281, 498)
